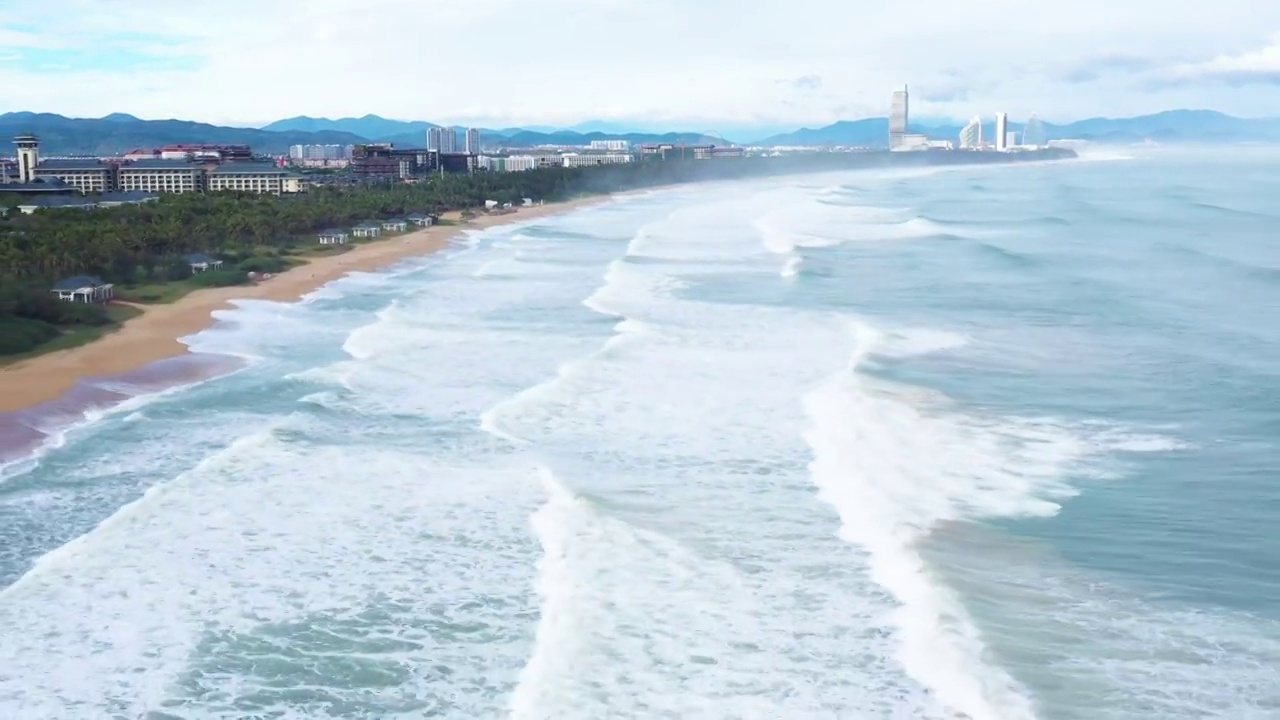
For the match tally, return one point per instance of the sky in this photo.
(695, 65)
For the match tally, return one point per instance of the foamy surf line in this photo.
(31, 433)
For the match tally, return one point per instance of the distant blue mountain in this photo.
(371, 127)
(120, 132)
(1186, 126)
(117, 133)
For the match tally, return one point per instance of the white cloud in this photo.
(1260, 66)
(698, 63)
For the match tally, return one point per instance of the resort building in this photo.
(85, 202)
(518, 163)
(420, 219)
(395, 225)
(695, 152)
(199, 262)
(83, 288)
(262, 178)
(367, 229)
(571, 160)
(88, 175)
(333, 237)
(163, 176)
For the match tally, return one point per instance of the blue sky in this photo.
(689, 64)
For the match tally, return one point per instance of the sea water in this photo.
(986, 443)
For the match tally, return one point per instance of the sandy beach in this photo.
(154, 335)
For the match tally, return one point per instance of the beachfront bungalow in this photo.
(333, 237)
(367, 229)
(490, 204)
(395, 225)
(421, 220)
(527, 202)
(83, 288)
(199, 262)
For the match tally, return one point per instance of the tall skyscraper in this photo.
(971, 135)
(1002, 132)
(473, 141)
(898, 118)
(442, 139)
(1033, 133)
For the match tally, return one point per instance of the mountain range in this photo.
(1169, 126)
(119, 132)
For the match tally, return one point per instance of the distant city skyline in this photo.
(253, 62)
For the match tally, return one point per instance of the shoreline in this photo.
(155, 335)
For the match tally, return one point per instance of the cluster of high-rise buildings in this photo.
(446, 140)
(1004, 139)
(971, 137)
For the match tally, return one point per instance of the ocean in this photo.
(995, 443)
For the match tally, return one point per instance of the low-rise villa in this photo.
(200, 262)
(83, 288)
(394, 225)
(366, 229)
(421, 220)
(333, 236)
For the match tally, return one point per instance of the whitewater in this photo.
(994, 443)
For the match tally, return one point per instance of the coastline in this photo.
(155, 335)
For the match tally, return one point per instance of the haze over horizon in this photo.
(652, 65)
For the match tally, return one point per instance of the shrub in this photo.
(18, 335)
(218, 278)
(262, 264)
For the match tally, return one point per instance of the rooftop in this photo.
(74, 201)
(71, 164)
(256, 168)
(200, 259)
(158, 165)
(39, 185)
(78, 282)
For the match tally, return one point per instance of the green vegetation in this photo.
(32, 322)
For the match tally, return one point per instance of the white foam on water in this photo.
(1104, 652)
(267, 533)
(659, 446)
(60, 431)
(366, 551)
(894, 472)
(791, 268)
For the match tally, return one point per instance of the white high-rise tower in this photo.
(971, 135)
(898, 118)
(473, 141)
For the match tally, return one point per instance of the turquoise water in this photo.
(977, 442)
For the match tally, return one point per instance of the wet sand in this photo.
(155, 334)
